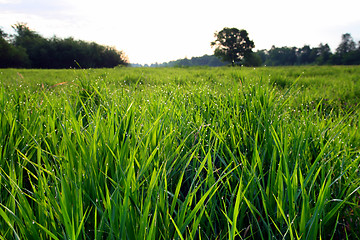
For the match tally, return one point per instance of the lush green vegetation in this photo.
(28, 49)
(347, 53)
(206, 60)
(196, 153)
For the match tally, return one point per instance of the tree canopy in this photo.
(232, 45)
(205, 60)
(28, 49)
(347, 53)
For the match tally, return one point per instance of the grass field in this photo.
(180, 153)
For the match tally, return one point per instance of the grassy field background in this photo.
(180, 153)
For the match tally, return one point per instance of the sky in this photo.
(150, 31)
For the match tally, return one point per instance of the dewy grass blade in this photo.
(8, 221)
(81, 224)
(285, 218)
(176, 228)
(47, 231)
(148, 203)
(239, 196)
(335, 227)
(178, 186)
(152, 230)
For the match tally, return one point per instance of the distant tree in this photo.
(346, 53)
(232, 45)
(205, 60)
(213, 61)
(281, 56)
(11, 56)
(62, 53)
(24, 35)
(3, 34)
(306, 55)
(323, 54)
(263, 54)
(35, 45)
(347, 44)
(253, 60)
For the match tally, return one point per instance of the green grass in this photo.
(197, 153)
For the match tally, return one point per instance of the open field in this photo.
(180, 153)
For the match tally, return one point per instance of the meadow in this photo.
(180, 153)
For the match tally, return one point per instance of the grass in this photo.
(198, 153)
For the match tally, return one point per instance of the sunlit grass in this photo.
(179, 154)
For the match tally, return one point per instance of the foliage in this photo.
(347, 53)
(29, 49)
(206, 60)
(217, 153)
(12, 56)
(252, 60)
(232, 45)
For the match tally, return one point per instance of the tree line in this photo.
(347, 53)
(28, 49)
(234, 47)
(206, 60)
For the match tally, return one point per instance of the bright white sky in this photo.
(163, 30)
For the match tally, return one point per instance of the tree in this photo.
(346, 52)
(3, 34)
(35, 45)
(39, 52)
(306, 55)
(253, 60)
(347, 44)
(324, 54)
(11, 56)
(281, 56)
(232, 45)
